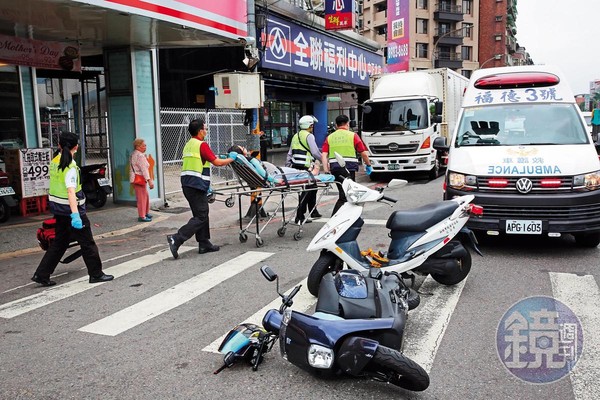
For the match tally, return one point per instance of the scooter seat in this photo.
(421, 218)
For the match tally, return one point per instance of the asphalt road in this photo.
(148, 334)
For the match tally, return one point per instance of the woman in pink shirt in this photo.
(139, 165)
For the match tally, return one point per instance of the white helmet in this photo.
(306, 121)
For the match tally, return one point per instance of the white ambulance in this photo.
(522, 147)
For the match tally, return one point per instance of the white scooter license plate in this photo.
(524, 226)
(103, 182)
(5, 191)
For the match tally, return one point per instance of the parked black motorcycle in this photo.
(357, 329)
(95, 185)
(8, 197)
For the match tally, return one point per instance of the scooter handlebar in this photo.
(392, 200)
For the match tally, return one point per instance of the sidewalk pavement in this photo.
(18, 235)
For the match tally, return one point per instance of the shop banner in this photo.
(32, 166)
(293, 48)
(39, 54)
(339, 15)
(226, 18)
(398, 36)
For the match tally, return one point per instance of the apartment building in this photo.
(463, 35)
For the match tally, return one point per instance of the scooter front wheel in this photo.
(460, 273)
(394, 367)
(326, 263)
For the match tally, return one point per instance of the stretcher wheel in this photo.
(259, 242)
(211, 198)
(243, 237)
(230, 202)
(281, 232)
(297, 236)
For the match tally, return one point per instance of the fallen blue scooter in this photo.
(356, 330)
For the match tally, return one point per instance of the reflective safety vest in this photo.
(58, 195)
(301, 155)
(342, 142)
(195, 172)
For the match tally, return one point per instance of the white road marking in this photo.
(302, 302)
(582, 295)
(432, 317)
(175, 296)
(60, 292)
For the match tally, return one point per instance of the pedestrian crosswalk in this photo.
(424, 334)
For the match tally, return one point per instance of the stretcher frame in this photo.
(251, 184)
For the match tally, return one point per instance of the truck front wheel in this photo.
(435, 171)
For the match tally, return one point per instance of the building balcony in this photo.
(448, 60)
(449, 38)
(446, 12)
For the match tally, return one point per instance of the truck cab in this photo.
(522, 147)
(404, 114)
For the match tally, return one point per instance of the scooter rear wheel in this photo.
(100, 199)
(464, 266)
(4, 211)
(326, 263)
(398, 369)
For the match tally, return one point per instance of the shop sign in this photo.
(39, 54)
(339, 15)
(398, 36)
(293, 48)
(226, 18)
(32, 165)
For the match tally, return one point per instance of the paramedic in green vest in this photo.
(195, 182)
(348, 144)
(67, 203)
(301, 155)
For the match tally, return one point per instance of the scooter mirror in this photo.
(268, 273)
(397, 183)
(340, 160)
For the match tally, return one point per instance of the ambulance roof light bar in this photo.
(515, 80)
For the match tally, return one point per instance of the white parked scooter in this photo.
(422, 239)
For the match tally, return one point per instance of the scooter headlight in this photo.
(320, 357)
(354, 194)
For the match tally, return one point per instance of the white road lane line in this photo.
(302, 302)
(175, 296)
(60, 292)
(432, 317)
(582, 295)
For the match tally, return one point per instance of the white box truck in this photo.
(522, 148)
(405, 113)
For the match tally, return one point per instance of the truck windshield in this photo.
(387, 116)
(520, 125)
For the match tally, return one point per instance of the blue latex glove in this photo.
(76, 221)
(233, 154)
(368, 169)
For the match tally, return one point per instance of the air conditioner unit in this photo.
(239, 90)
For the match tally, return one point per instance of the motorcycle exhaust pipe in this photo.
(437, 266)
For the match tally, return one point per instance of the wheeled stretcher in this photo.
(261, 189)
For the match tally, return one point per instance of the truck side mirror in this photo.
(437, 119)
(440, 144)
(352, 124)
(439, 107)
